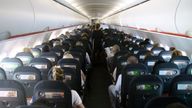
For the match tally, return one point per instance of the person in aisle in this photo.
(97, 38)
(115, 89)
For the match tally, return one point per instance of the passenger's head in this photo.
(84, 34)
(172, 48)
(84, 38)
(132, 59)
(156, 45)
(149, 53)
(26, 50)
(79, 43)
(56, 43)
(176, 105)
(147, 40)
(176, 53)
(67, 33)
(45, 48)
(67, 55)
(57, 73)
(115, 49)
(97, 26)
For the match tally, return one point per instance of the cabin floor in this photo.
(96, 93)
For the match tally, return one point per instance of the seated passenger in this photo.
(156, 45)
(172, 48)
(83, 77)
(58, 74)
(87, 44)
(110, 54)
(115, 89)
(145, 42)
(79, 43)
(68, 34)
(131, 59)
(111, 51)
(176, 53)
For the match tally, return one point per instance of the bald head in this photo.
(132, 60)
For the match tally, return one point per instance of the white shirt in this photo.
(76, 100)
(118, 84)
(88, 58)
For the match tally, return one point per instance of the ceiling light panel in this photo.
(101, 8)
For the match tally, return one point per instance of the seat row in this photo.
(158, 71)
(28, 76)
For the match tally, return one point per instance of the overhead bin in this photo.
(26, 16)
(184, 16)
(172, 16)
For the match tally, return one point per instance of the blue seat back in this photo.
(2, 74)
(25, 57)
(167, 71)
(163, 102)
(166, 55)
(56, 92)
(43, 65)
(9, 65)
(181, 62)
(181, 87)
(157, 50)
(28, 77)
(51, 56)
(142, 89)
(150, 62)
(12, 94)
(128, 73)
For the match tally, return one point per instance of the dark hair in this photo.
(45, 48)
(97, 26)
(156, 64)
(147, 40)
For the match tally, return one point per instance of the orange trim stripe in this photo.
(38, 32)
(155, 31)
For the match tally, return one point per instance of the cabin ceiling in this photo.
(101, 8)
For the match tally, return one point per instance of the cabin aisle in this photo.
(97, 89)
